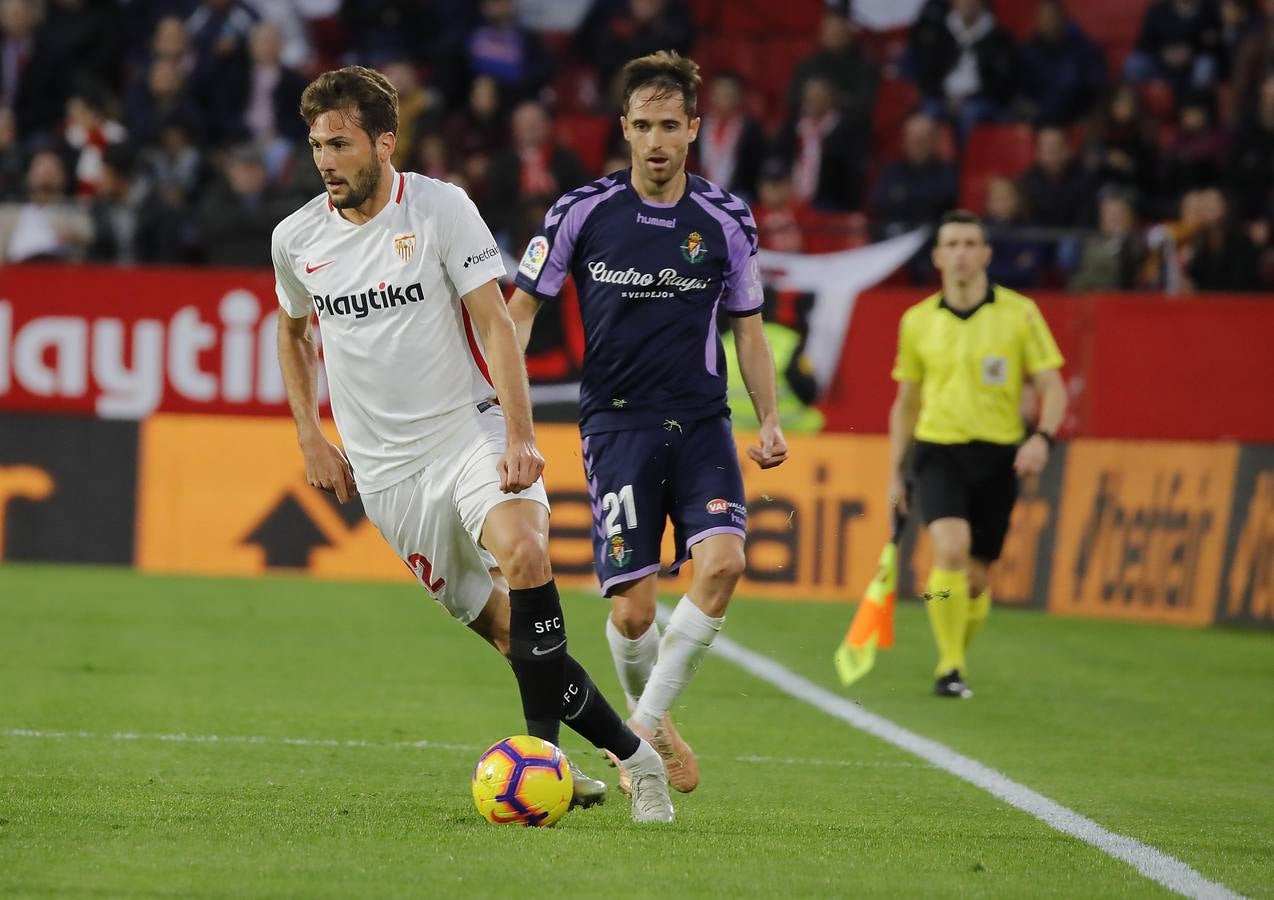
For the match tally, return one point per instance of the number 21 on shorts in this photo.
(617, 502)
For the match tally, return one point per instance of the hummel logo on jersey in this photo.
(310, 270)
(643, 219)
(384, 296)
(479, 257)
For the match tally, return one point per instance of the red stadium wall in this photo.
(126, 343)
(1138, 366)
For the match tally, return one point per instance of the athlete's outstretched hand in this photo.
(327, 468)
(772, 450)
(520, 466)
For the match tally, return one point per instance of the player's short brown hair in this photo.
(668, 72)
(962, 217)
(366, 91)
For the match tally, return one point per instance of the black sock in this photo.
(537, 653)
(586, 711)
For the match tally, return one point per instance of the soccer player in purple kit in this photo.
(655, 251)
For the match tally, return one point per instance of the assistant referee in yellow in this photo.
(963, 357)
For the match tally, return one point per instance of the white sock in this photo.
(634, 658)
(689, 634)
(644, 761)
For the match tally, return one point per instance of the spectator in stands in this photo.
(1056, 189)
(1180, 42)
(1239, 19)
(1063, 71)
(176, 166)
(479, 131)
(1112, 258)
(1249, 168)
(1221, 256)
(12, 161)
(839, 59)
(238, 214)
(406, 29)
(779, 212)
(1193, 159)
(130, 223)
(219, 32)
(1122, 147)
(825, 154)
(616, 31)
(47, 226)
(1016, 262)
(163, 98)
(533, 167)
(31, 82)
(917, 189)
(171, 41)
(1168, 243)
(965, 64)
(1254, 58)
(511, 54)
(419, 108)
(258, 101)
(87, 133)
(731, 143)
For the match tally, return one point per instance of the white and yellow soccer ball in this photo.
(522, 780)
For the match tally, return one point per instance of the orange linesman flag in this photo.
(873, 624)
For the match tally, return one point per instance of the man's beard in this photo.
(364, 185)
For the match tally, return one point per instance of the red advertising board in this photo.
(124, 343)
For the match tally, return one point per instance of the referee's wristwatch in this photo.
(1048, 438)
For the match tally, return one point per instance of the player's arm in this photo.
(756, 365)
(1033, 454)
(522, 309)
(903, 416)
(325, 464)
(522, 463)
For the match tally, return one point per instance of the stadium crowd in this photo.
(165, 131)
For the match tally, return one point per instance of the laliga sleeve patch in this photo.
(533, 260)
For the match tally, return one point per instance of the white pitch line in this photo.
(183, 738)
(1154, 864)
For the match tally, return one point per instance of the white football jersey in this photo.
(398, 345)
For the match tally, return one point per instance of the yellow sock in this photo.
(979, 609)
(948, 609)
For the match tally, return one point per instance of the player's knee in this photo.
(525, 560)
(724, 566)
(950, 550)
(632, 618)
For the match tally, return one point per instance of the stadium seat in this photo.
(993, 150)
(586, 135)
(1158, 101)
(895, 100)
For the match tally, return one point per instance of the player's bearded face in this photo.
(659, 133)
(355, 192)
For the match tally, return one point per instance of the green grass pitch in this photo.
(1160, 734)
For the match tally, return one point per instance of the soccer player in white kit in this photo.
(429, 393)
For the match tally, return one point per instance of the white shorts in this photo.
(433, 519)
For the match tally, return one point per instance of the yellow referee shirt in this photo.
(971, 365)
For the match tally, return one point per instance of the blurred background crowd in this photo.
(1125, 145)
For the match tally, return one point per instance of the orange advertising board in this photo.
(223, 495)
(1142, 530)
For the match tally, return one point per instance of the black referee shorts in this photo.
(974, 482)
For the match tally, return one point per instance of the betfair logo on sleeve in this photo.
(480, 257)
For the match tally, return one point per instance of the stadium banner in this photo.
(122, 344)
(1142, 530)
(127, 343)
(1246, 587)
(67, 489)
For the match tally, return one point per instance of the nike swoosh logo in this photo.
(310, 270)
(538, 652)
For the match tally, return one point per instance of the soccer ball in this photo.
(522, 780)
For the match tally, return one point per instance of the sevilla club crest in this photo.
(405, 245)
